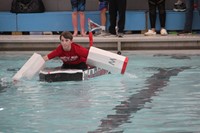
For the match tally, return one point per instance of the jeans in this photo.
(153, 5)
(189, 15)
(117, 12)
(198, 6)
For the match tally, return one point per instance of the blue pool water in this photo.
(159, 93)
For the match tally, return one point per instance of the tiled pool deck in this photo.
(128, 42)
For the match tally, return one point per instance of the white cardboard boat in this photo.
(103, 61)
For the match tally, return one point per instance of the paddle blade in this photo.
(30, 68)
(107, 60)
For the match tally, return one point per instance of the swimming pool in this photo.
(158, 94)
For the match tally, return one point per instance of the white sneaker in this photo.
(163, 32)
(150, 33)
(101, 33)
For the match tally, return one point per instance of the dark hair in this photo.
(66, 35)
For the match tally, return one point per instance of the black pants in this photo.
(117, 7)
(81, 65)
(153, 5)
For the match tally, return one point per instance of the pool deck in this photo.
(128, 42)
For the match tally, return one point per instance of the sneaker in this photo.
(120, 35)
(109, 35)
(96, 33)
(150, 33)
(184, 33)
(101, 33)
(163, 32)
(179, 7)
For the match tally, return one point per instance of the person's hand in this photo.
(45, 58)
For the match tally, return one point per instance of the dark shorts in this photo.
(103, 4)
(81, 65)
(78, 5)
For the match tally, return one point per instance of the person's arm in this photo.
(52, 54)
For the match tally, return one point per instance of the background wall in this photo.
(91, 5)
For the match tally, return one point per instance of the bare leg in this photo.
(75, 23)
(103, 18)
(82, 23)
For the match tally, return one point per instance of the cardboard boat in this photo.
(103, 62)
(57, 74)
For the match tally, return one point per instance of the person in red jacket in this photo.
(73, 55)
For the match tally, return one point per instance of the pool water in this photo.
(159, 93)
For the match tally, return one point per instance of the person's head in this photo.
(66, 40)
(66, 35)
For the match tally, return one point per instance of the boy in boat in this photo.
(73, 55)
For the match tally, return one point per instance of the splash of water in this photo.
(130, 75)
(3, 81)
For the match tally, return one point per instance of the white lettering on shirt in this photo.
(69, 58)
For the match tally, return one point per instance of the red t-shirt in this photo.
(76, 55)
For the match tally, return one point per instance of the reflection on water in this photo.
(137, 101)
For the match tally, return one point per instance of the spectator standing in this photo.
(103, 7)
(189, 16)
(78, 8)
(153, 5)
(117, 13)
